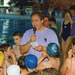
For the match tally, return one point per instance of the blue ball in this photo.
(31, 61)
(52, 49)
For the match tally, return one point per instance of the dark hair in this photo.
(52, 19)
(50, 71)
(72, 7)
(36, 72)
(18, 33)
(46, 16)
(21, 62)
(73, 41)
(4, 47)
(39, 14)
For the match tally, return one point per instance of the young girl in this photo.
(65, 31)
(68, 66)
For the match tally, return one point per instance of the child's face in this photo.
(46, 22)
(73, 49)
(36, 21)
(51, 22)
(9, 50)
(17, 40)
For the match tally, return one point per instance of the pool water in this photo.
(9, 26)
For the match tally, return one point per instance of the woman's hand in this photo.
(70, 53)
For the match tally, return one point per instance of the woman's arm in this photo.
(61, 29)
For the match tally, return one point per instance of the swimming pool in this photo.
(10, 24)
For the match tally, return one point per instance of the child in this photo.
(8, 54)
(21, 63)
(65, 31)
(17, 36)
(51, 60)
(13, 70)
(46, 71)
(68, 66)
(50, 71)
(27, 64)
(52, 23)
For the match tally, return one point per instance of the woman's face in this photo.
(67, 16)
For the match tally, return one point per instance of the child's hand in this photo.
(13, 58)
(70, 53)
(44, 54)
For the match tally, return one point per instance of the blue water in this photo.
(9, 26)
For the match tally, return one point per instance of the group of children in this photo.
(13, 56)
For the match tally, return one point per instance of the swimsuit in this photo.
(66, 31)
(70, 72)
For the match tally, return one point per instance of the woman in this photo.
(65, 31)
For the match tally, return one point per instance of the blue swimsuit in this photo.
(66, 31)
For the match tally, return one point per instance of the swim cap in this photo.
(1, 58)
(13, 70)
(31, 61)
(52, 49)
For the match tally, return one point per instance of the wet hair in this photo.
(21, 62)
(39, 14)
(18, 33)
(50, 71)
(52, 19)
(4, 47)
(73, 41)
(36, 72)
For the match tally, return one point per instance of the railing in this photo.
(27, 10)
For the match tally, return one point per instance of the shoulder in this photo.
(14, 46)
(30, 30)
(49, 30)
(67, 62)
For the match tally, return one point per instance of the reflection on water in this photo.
(9, 26)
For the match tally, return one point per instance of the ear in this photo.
(21, 38)
(4, 52)
(42, 21)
